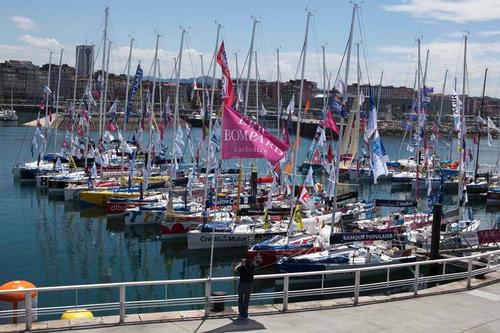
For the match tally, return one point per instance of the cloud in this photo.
(446, 54)
(48, 43)
(23, 22)
(457, 11)
(488, 33)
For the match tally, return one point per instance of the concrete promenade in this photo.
(439, 309)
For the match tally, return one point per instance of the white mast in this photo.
(104, 41)
(57, 97)
(155, 63)
(256, 89)
(129, 63)
(106, 87)
(250, 52)
(278, 112)
(463, 130)
(176, 107)
(202, 84)
(339, 141)
(74, 95)
(209, 139)
(237, 69)
(438, 120)
(324, 78)
(47, 95)
(419, 102)
(297, 133)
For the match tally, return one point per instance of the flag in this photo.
(243, 138)
(340, 86)
(133, 90)
(307, 106)
(46, 90)
(58, 164)
(304, 196)
(329, 156)
(291, 106)
(112, 110)
(372, 120)
(330, 123)
(456, 106)
(263, 110)
(310, 178)
(108, 137)
(491, 126)
(297, 217)
(227, 84)
(110, 126)
(379, 158)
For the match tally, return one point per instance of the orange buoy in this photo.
(15, 300)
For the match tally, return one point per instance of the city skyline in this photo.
(29, 32)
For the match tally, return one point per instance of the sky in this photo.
(386, 31)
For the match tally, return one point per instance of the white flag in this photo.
(379, 158)
(340, 86)
(46, 90)
(263, 110)
(291, 106)
(371, 126)
(310, 177)
(456, 106)
(58, 164)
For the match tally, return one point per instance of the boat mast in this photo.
(57, 97)
(478, 124)
(104, 40)
(256, 89)
(47, 95)
(463, 130)
(324, 77)
(278, 113)
(173, 174)
(155, 64)
(237, 69)
(380, 90)
(209, 139)
(106, 87)
(74, 96)
(209, 110)
(344, 98)
(129, 63)
(419, 102)
(297, 133)
(249, 69)
(438, 120)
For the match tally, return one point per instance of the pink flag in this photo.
(110, 126)
(330, 123)
(243, 138)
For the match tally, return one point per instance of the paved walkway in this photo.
(476, 310)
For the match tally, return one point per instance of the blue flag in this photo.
(133, 90)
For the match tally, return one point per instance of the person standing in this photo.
(246, 272)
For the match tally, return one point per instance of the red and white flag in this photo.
(227, 84)
(304, 196)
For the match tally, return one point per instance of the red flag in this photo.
(316, 159)
(330, 154)
(330, 123)
(111, 126)
(243, 138)
(227, 84)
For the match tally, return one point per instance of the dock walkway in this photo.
(448, 308)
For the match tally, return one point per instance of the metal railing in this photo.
(473, 265)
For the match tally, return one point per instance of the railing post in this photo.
(469, 273)
(122, 304)
(357, 279)
(415, 283)
(286, 283)
(207, 297)
(29, 313)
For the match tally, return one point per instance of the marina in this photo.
(151, 196)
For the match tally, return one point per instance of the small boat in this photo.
(230, 235)
(267, 253)
(493, 195)
(344, 257)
